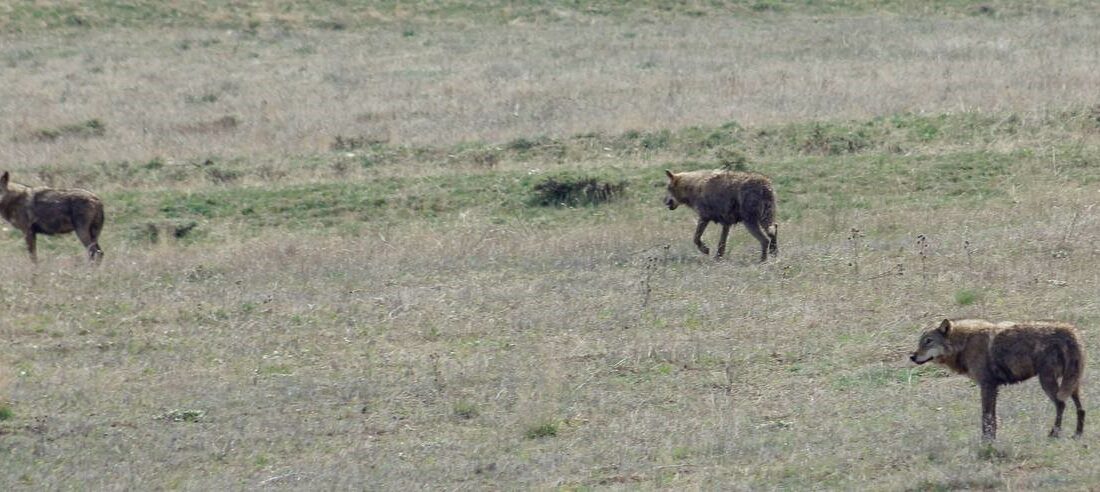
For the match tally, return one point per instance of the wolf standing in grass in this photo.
(49, 211)
(727, 197)
(993, 354)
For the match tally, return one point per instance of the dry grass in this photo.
(329, 363)
(289, 93)
(395, 311)
(76, 15)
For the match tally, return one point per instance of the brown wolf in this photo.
(993, 354)
(49, 211)
(727, 197)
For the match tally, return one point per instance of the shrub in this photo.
(574, 191)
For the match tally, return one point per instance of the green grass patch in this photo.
(734, 146)
(328, 205)
(966, 297)
(804, 184)
(542, 429)
(465, 410)
(819, 169)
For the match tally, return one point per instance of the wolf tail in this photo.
(767, 212)
(1071, 377)
(97, 224)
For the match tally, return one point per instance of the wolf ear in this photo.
(671, 176)
(4, 180)
(945, 326)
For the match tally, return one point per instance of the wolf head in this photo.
(933, 344)
(672, 198)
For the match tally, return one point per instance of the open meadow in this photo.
(333, 260)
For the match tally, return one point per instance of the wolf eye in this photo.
(926, 341)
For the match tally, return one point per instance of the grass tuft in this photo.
(542, 429)
(465, 410)
(966, 297)
(182, 415)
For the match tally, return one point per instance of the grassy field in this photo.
(329, 264)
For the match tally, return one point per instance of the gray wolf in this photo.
(45, 210)
(727, 197)
(993, 354)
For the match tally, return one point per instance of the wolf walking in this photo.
(994, 354)
(52, 211)
(727, 197)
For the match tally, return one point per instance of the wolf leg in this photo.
(95, 254)
(773, 234)
(1049, 382)
(989, 412)
(29, 237)
(754, 229)
(699, 229)
(722, 241)
(1080, 413)
(88, 239)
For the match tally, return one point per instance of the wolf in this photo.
(993, 354)
(52, 211)
(727, 197)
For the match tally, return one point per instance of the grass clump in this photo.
(465, 410)
(823, 139)
(6, 413)
(523, 144)
(539, 430)
(85, 129)
(966, 297)
(572, 191)
(182, 415)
